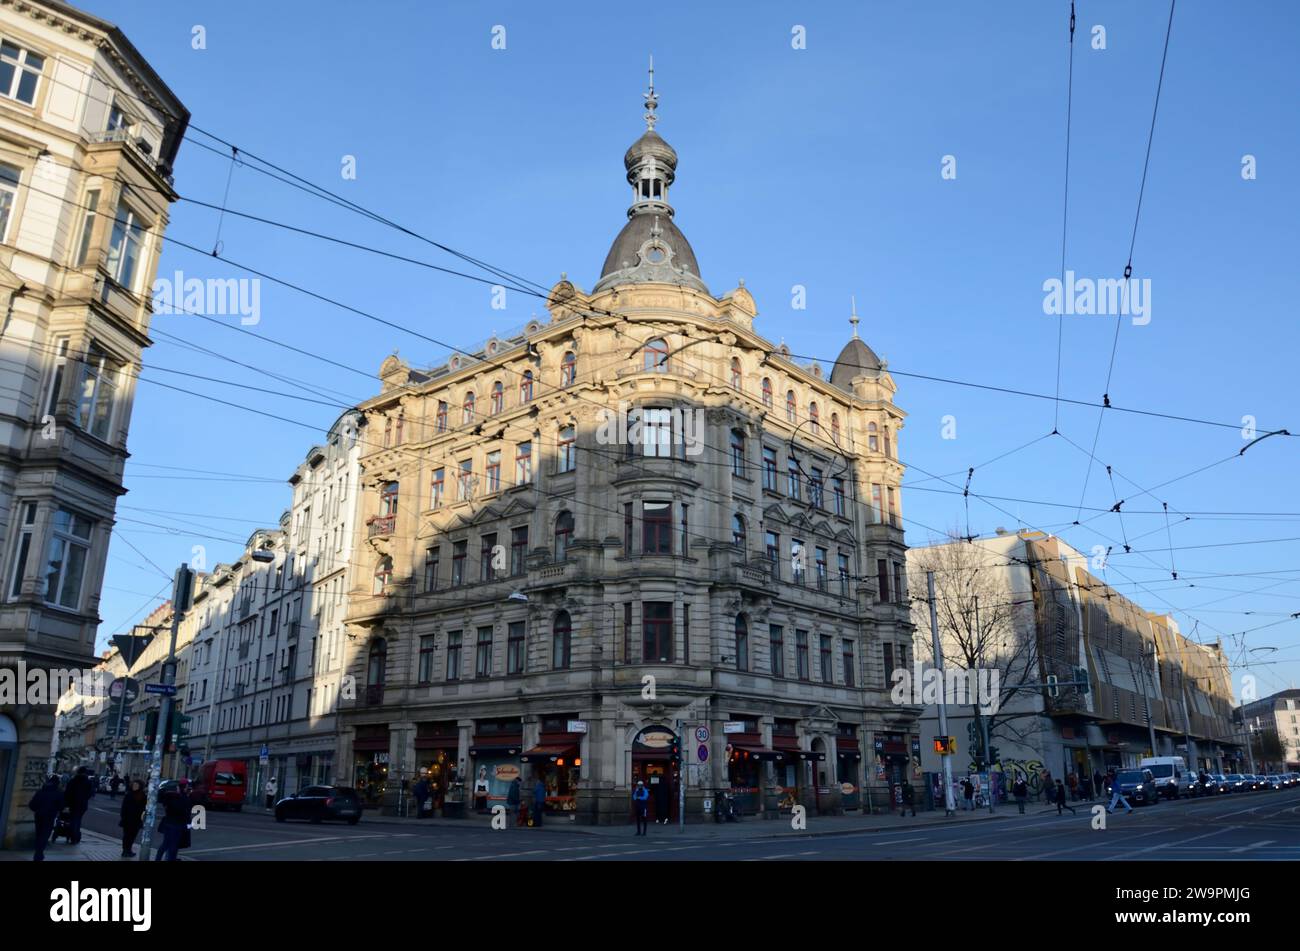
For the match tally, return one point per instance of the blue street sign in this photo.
(265, 751)
(168, 689)
(702, 754)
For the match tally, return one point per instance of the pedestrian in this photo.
(513, 795)
(1098, 783)
(481, 787)
(77, 798)
(1073, 782)
(421, 797)
(1048, 788)
(47, 804)
(113, 785)
(641, 806)
(1020, 789)
(539, 801)
(1061, 802)
(1116, 796)
(968, 794)
(1085, 785)
(909, 800)
(132, 816)
(175, 822)
(272, 787)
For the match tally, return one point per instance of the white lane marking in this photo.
(1091, 845)
(779, 855)
(276, 845)
(1255, 845)
(498, 855)
(1165, 845)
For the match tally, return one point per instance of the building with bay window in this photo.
(88, 134)
(596, 551)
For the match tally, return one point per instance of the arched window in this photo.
(735, 373)
(526, 387)
(656, 355)
(835, 428)
(383, 575)
(738, 534)
(742, 643)
(791, 410)
(498, 397)
(814, 418)
(561, 641)
(563, 534)
(569, 369)
(767, 393)
(873, 441)
(467, 408)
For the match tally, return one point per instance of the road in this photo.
(1252, 826)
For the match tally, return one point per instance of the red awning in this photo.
(548, 753)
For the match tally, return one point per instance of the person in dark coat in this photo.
(132, 816)
(421, 797)
(1061, 802)
(1098, 783)
(1020, 789)
(909, 800)
(114, 785)
(539, 802)
(47, 804)
(175, 823)
(513, 794)
(968, 795)
(641, 806)
(77, 798)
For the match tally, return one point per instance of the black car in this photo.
(1138, 786)
(318, 803)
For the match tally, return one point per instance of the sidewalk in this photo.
(93, 847)
(746, 828)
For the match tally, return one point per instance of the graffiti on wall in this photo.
(1030, 770)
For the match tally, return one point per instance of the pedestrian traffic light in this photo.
(940, 745)
(675, 751)
(150, 726)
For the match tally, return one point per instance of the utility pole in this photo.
(182, 590)
(1151, 675)
(949, 807)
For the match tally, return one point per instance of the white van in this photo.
(1172, 778)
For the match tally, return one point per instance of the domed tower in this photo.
(855, 360)
(650, 248)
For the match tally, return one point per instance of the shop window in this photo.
(561, 641)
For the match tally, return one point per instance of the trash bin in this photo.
(453, 809)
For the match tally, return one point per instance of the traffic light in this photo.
(940, 745)
(1081, 675)
(178, 729)
(675, 751)
(150, 726)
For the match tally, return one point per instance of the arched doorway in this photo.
(656, 761)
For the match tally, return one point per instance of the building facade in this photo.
(1272, 727)
(1149, 690)
(637, 542)
(88, 134)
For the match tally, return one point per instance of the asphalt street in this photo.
(1252, 826)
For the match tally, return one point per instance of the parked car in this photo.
(1138, 786)
(1221, 784)
(317, 803)
(1235, 783)
(222, 782)
(1272, 781)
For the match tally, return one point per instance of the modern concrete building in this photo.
(1026, 605)
(88, 135)
(635, 542)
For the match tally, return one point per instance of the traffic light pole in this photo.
(180, 603)
(949, 807)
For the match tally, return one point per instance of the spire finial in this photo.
(853, 315)
(651, 100)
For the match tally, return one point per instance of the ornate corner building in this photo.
(638, 542)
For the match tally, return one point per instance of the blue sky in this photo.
(817, 167)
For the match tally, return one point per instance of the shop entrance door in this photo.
(658, 776)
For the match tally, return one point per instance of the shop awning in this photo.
(494, 750)
(548, 753)
(810, 755)
(758, 752)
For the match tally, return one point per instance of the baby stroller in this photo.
(62, 827)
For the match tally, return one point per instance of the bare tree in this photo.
(983, 627)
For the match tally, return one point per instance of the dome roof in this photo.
(651, 143)
(627, 264)
(856, 359)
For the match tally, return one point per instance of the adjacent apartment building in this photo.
(88, 135)
(636, 542)
(1272, 727)
(1087, 679)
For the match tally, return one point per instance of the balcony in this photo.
(380, 525)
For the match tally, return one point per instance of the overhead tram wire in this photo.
(1065, 212)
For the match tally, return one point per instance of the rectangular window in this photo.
(20, 71)
(465, 480)
(686, 530)
(776, 649)
(769, 468)
(627, 631)
(842, 567)
(773, 549)
(87, 226)
(66, 559)
(568, 449)
(519, 550)
(523, 463)
(426, 659)
(882, 581)
(827, 658)
(98, 391)
(837, 494)
(656, 432)
(459, 550)
(494, 472)
(801, 655)
(877, 509)
(792, 478)
(850, 677)
(453, 655)
(797, 557)
(888, 652)
(898, 583)
(657, 528)
(440, 421)
(893, 507)
(487, 550)
(742, 644)
(627, 528)
(56, 378)
(657, 625)
(515, 648)
(483, 653)
(737, 452)
(815, 483)
(439, 487)
(686, 633)
(124, 246)
(24, 549)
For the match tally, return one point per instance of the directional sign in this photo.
(701, 734)
(167, 689)
(702, 753)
